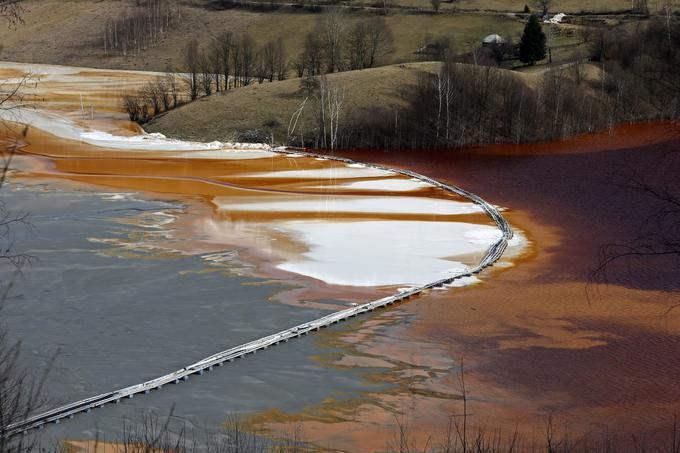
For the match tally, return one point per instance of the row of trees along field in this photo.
(140, 27)
(338, 45)
(234, 60)
(227, 61)
(231, 60)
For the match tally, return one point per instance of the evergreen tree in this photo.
(532, 45)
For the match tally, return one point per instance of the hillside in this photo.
(70, 32)
(268, 107)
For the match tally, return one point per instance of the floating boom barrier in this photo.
(493, 254)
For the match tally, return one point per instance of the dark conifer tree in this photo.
(532, 45)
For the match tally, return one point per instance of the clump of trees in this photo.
(139, 28)
(458, 106)
(338, 45)
(234, 60)
(641, 69)
(157, 96)
(11, 12)
(639, 79)
(465, 105)
(231, 61)
(227, 61)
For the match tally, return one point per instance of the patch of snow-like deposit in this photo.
(382, 253)
(353, 204)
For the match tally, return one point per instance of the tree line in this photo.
(139, 28)
(338, 45)
(232, 60)
(227, 61)
(464, 104)
(157, 96)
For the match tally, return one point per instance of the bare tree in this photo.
(313, 55)
(215, 62)
(243, 59)
(543, 6)
(331, 98)
(20, 392)
(132, 105)
(294, 118)
(20, 395)
(280, 60)
(150, 95)
(139, 28)
(667, 9)
(656, 243)
(367, 41)
(299, 65)
(380, 40)
(222, 46)
(192, 61)
(268, 57)
(261, 66)
(332, 28)
(357, 46)
(206, 76)
(173, 88)
(11, 11)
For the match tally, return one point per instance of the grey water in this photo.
(111, 307)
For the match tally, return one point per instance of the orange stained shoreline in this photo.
(532, 343)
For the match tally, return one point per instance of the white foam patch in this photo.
(66, 129)
(380, 253)
(232, 154)
(388, 185)
(120, 196)
(154, 141)
(330, 173)
(353, 204)
(485, 236)
(463, 281)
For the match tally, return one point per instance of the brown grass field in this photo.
(269, 106)
(69, 32)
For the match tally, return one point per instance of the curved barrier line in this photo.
(493, 254)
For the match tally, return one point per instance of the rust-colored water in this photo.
(89, 100)
(532, 342)
(541, 338)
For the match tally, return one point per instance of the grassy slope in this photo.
(69, 32)
(221, 117)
